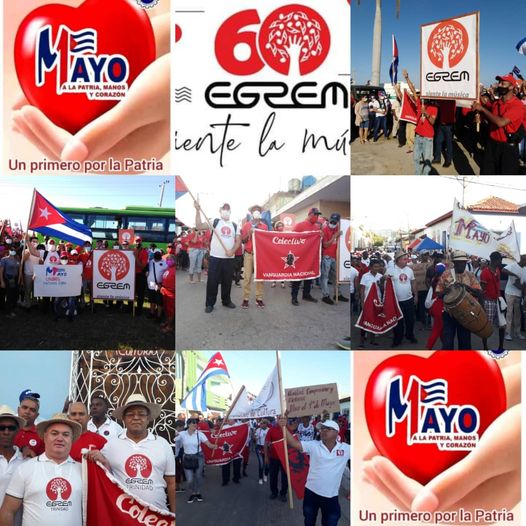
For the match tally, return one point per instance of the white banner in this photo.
(449, 56)
(264, 81)
(57, 281)
(467, 234)
(344, 252)
(113, 274)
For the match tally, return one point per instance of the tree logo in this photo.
(114, 265)
(58, 489)
(138, 466)
(225, 231)
(293, 40)
(448, 44)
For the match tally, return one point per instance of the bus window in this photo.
(103, 222)
(171, 225)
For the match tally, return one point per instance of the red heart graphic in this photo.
(473, 379)
(121, 28)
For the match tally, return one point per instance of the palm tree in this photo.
(377, 40)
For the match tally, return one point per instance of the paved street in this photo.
(422, 335)
(280, 325)
(245, 504)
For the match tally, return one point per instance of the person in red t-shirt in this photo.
(424, 132)
(248, 261)
(86, 258)
(196, 252)
(490, 283)
(141, 267)
(329, 242)
(168, 293)
(505, 117)
(78, 412)
(27, 439)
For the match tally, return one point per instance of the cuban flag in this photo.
(521, 46)
(517, 72)
(47, 219)
(393, 69)
(195, 400)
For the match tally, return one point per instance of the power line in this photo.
(502, 186)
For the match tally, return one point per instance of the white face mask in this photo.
(12, 252)
(63, 261)
(8, 241)
(225, 215)
(256, 214)
(87, 249)
(41, 252)
(52, 248)
(333, 225)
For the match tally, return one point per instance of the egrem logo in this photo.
(114, 265)
(138, 466)
(58, 489)
(293, 40)
(448, 44)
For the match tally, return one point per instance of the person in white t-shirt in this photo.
(514, 291)
(373, 276)
(10, 455)
(156, 268)
(100, 422)
(225, 241)
(259, 438)
(327, 461)
(305, 429)
(143, 462)
(407, 296)
(49, 487)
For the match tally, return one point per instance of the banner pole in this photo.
(29, 215)
(337, 284)
(283, 430)
(228, 414)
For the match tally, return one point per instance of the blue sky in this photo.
(502, 25)
(82, 191)
(299, 368)
(45, 372)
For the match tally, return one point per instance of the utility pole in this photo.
(161, 186)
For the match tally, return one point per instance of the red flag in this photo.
(408, 112)
(286, 256)
(378, 317)
(298, 464)
(180, 186)
(108, 503)
(231, 442)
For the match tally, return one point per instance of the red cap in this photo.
(138, 238)
(507, 78)
(64, 254)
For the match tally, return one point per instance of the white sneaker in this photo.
(265, 478)
(508, 337)
(261, 481)
(521, 337)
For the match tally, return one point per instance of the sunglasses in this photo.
(8, 428)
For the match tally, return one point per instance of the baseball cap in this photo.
(315, 211)
(335, 217)
(63, 254)
(225, 206)
(507, 78)
(330, 423)
(28, 393)
(138, 238)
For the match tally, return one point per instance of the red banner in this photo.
(286, 256)
(108, 503)
(378, 317)
(408, 112)
(231, 442)
(298, 465)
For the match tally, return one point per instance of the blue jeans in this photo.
(380, 120)
(260, 454)
(196, 260)
(445, 134)
(194, 479)
(522, 149)
(328, 273)
(330, 509)
(422, 153)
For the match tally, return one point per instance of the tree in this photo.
(114, 265)
(447, 44)
(377, 40)
(58, 486)
(138, 463)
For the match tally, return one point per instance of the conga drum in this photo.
(460, 304)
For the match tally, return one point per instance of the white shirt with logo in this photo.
(109, 429)
(305, 432)
(402, 278)
(325, 467)
(142, 466)
(368, 279)
(52, 258)
(7, 469)
(52, 493)
(225, 231)
(260, 436)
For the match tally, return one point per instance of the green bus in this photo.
(154, 225)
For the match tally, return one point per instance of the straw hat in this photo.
(7, 412)
(399, 254)
(459, 255)
(137, 400)
(60, 418)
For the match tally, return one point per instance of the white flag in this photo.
(267, 403)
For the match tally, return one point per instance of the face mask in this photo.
(87, 249)
(52, 248)
(502, 91)
(8, 241)
(41, 252)
(170, 262)
(333, 225)
(225, 214)
(256, 215)
(63, 261)
(12, 252)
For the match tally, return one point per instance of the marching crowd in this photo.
(41, 462)
(230, 259)
(428, 288)
(324, 440)
(494, 126)
(20, 253)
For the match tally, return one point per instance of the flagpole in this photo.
(228, 414)
(30, 212)
(283, 430)
(206, 218)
